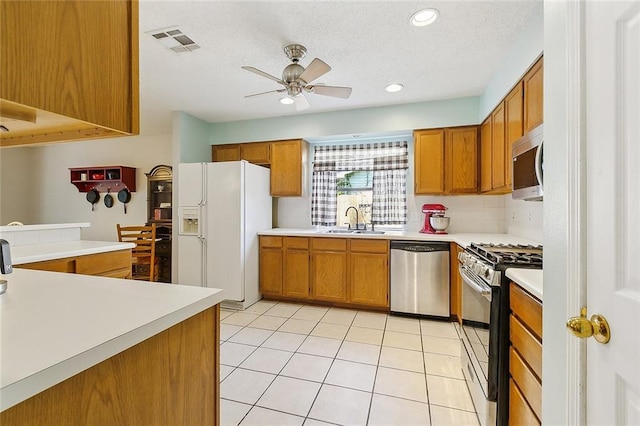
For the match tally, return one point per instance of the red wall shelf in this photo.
(103, 178)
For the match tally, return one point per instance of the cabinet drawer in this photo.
(527, 345)
(520, 413)
(527, 309)
(102, 263)
(370, 246)
(296, 242)
(68, 264)
(334, 244)
(527, 382)
(268, 241)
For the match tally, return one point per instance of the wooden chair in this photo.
(144, 262)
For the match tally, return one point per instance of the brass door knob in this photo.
(597, 326)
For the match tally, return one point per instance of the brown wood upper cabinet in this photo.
(286, 159)
(227, 152)
(446, 160)
(56, 60)
(256, 152)
(519, 112)
(514, 116)
(287, 167)
(533, 96)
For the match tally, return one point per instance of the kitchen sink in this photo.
(352, 231)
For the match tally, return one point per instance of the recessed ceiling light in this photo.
(424, 17)
(394, 87)
(286, 100)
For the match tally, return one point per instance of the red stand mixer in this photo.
(439, 224)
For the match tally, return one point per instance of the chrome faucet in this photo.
(347, 212)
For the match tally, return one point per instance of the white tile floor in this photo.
(290, 364)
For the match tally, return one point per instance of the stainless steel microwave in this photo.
(527, 171)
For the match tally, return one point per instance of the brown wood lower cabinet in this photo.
(525, 358)
(171, 378)
(337, 271)
(295, 278)
(114, 264)
(369, 281)
(329, 269)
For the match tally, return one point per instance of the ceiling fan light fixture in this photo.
(424, 17)
(286, 100)
(394, 87)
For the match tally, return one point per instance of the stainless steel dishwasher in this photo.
(420, 278)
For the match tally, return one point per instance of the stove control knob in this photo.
(487, 273)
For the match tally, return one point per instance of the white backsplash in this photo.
(523, 218)
(468, 213)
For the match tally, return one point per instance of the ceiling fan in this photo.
(296, 79)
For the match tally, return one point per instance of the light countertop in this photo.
(461, 239)
(528, 279)
(49, 251)
(45, 226)
(55, 325)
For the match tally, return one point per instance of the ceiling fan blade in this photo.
(335, 91)
(262, 73)
(264, 93)
(315, 69)
(301, 102)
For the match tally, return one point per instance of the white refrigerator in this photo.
(221, 208)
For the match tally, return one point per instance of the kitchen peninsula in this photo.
(80, 349)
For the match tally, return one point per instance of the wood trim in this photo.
(527, 309)
(520, 414)
(527, 382)
(527, 345)
(171, 378)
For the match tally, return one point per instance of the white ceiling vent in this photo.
(174, 39)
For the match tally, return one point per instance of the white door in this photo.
(613, 203)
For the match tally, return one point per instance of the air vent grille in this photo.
(174, 39)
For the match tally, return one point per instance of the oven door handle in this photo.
(481, 288)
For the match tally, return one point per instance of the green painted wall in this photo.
(449, 112)
(193, 138)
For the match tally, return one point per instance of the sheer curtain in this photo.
(388, 161)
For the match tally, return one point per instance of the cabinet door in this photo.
(429, 161)
(497, 148)
(514, 106)
(369, 279)
(286, 168)
(485, 155)
(329, 275)
(58, 56)
(295, 282)
(225, 152)
(533, 96)
(256, 152)
(462, 160)
(271, 271)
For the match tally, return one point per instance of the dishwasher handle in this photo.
(419, 246)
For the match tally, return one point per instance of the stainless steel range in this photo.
(485, 323)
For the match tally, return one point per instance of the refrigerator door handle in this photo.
(203, 261)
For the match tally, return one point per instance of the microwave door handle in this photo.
(539, 165)
(483, 290)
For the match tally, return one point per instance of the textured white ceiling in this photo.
(368, 45)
